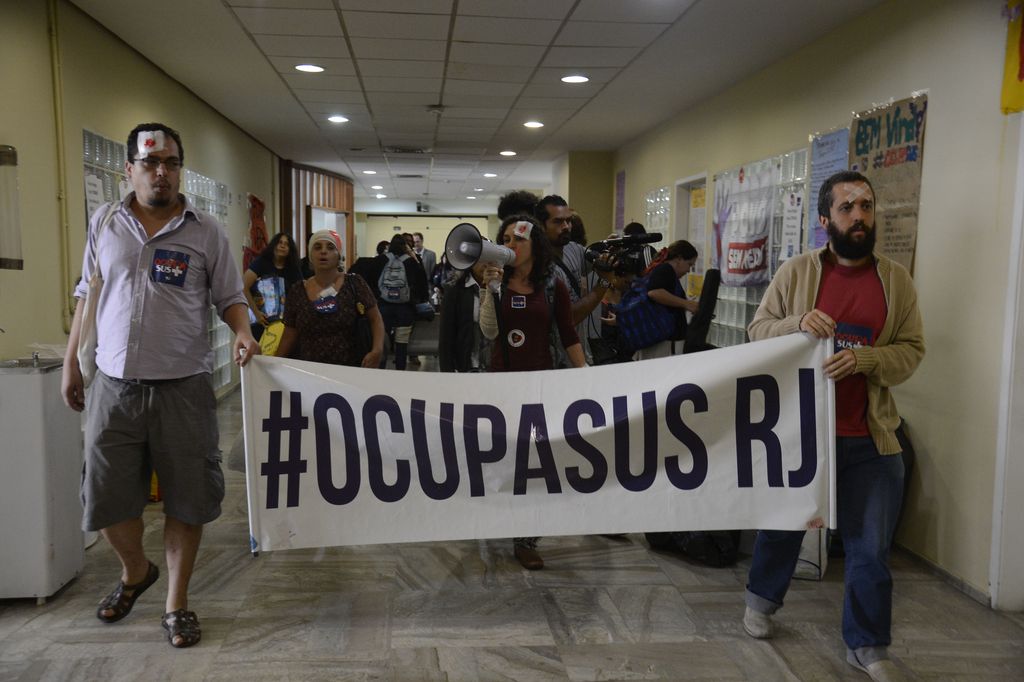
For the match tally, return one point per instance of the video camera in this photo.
(621, 255)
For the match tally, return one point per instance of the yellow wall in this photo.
(954, 49)
(107, 88)
(591, 190)
(435, 230)
(30, 299)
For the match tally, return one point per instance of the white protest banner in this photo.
(738, 437)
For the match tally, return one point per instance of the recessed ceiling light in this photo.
(478, 189)
(309, 68)
(507, 152)
(533, 124)
(490, 175)
(337, 118)
(369, 172)
(376, 186)
(471, 197)
(575, 78)
(382, 196)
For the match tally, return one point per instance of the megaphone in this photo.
(464, 248)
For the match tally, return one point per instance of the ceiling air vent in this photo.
(405, 150)
(410, 176)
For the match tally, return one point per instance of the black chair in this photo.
(697, 331)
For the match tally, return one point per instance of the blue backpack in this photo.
(642, 322)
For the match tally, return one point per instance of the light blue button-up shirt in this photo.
(153, 310)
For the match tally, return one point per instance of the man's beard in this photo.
(562, 239)
(846, 247)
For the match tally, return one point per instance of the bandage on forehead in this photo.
(859, 190)
(150, 141)
(325, 236)
(522, 229)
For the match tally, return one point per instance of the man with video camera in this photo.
(569, 265)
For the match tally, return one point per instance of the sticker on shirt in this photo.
(169, 267)
(326, 306)
(516, 338)
(852, 336)
(518, 302)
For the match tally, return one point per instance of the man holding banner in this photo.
(868, 304)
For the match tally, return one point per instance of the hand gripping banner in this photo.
(740, 437)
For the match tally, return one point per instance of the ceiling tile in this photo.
(609, 34)
(292, 22)
(385, 48)
(475, 112)
(503, 30)
(463, 87)
(496, 73)
(483, 53)
(455, 121)
(356, 113)
(475, 100)
(553, 75)
(332, 67)
(288, 4)
(383, 99)
(410, 6)
(557, 103)
(329, 96)
(580, 90)
(396, 26)
(401, 68)
(662, 11)
(540, 9)
(305, 47)
(318, 81)
(384, 84)
(579, 57)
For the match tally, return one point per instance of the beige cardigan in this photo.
(897, 351)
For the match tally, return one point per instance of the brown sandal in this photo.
(120, 603)
(183, 624)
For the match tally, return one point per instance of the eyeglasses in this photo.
(151, 163)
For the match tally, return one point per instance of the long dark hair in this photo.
(542, 253)
(399, 246)
(291, 261)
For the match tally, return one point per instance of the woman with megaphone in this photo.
(529, 316)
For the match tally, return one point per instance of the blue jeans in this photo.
(869, 491)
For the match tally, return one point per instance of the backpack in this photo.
(393, 282)
(642, 322)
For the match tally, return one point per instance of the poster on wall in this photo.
(792, 223)
(743, 207)
(887, 145)
(620, 201)
(698, 225)
(830, 153)
(1012, 99)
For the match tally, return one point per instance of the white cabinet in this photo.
(40, 508)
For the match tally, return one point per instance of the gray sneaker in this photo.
(758, 625)
(882, 670)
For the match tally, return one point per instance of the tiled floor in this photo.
(602, 609)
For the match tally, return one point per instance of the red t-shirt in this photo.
(854, 298)
(525, 329)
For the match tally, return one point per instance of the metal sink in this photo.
(28, 365)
